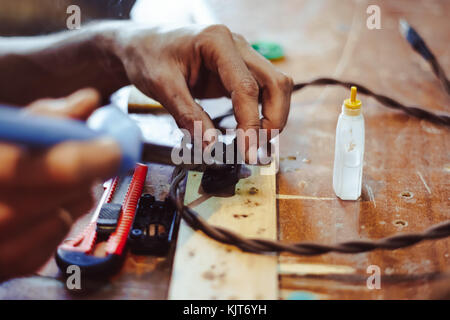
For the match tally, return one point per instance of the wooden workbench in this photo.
(407, 161)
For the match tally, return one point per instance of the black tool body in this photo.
(153, 227)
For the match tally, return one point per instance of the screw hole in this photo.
(407, 194)
(400, 223)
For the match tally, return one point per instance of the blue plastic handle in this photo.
(38, 131)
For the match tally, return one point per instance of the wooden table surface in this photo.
(404, 156)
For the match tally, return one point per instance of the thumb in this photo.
(79, 105)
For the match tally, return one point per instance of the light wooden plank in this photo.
(206, 269)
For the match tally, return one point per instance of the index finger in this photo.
(221, 55)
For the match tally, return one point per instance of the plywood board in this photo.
(206, 269)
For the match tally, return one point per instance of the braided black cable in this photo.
(419, 45)
(264, 246)
(415, 111)
(385, 100)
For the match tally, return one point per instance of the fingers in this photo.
(20, 209)
(219, 52)
(69, 163)
(30, 249)
(78, 105)
(276, 87)
(218, 49)
(173, 93)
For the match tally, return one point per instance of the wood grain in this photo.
(206, 269)
(330, 38)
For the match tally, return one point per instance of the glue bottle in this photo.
(349, 150)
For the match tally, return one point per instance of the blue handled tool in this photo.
(36, 131)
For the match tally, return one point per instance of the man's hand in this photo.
(174, 67)
(43, 192)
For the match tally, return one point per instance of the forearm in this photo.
(55, 65)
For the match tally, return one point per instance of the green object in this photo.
(269, 50)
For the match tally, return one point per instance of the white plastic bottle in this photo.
(349, 150)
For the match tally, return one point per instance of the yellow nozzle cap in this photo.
(352, 103)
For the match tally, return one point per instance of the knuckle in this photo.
(249, 87)
(284, 82)
(239, 38)
(211, 34)
(251, 126)
(218, 29)
(186, 120)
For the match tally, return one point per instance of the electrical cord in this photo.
(264, 246)
(419, 45)
(415, 111)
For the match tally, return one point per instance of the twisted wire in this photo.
(265, 246)
(414, 111)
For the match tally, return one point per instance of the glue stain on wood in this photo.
(250, 203)
(260, 230)
(208, 275)
(243, 215)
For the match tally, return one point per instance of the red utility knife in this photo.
(79, 251)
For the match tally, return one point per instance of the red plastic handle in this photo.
(86, 240)
(116, 242)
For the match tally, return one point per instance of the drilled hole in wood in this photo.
(400, 223)
(407, 194)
